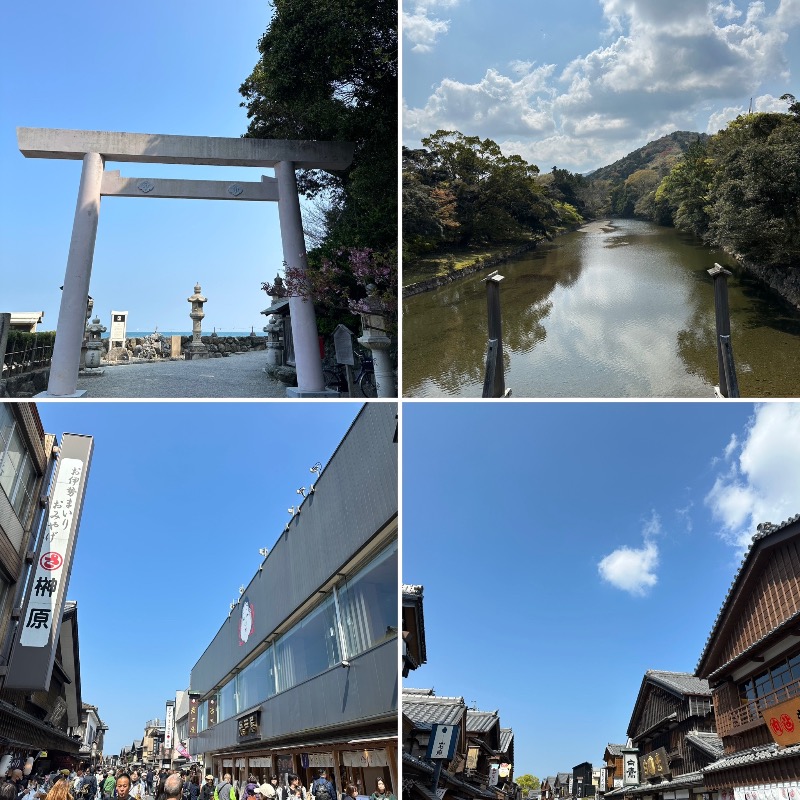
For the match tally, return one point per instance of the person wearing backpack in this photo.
(322, 788)
(225, 790)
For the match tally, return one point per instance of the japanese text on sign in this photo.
(42, 604)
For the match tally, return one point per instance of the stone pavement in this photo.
(238, 375)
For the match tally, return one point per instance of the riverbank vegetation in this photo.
(738, 189)
(463, 199)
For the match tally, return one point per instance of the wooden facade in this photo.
(752, 661)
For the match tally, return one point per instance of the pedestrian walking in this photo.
(350, 792)
(225, 790)
(322, 788)
(207, 791)
(381, 792)
(173, 786)
(109, 784)
(60, 790)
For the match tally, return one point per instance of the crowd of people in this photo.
(119, 784)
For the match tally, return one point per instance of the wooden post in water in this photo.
(728, 385)
(494, 380)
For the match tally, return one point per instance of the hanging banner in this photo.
(37, 631)
(169, 725)
(363, 758)
(319, 760)
(212, 711)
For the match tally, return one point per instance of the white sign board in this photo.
(169, 725)
(442, 744)
(494, 770)
(630, 774)
(39, 613)
(119, 326)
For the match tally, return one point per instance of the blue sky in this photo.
(180, 498)
(566, 548)
(580, 83)
(157, 67)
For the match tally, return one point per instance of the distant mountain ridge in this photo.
(659, 155)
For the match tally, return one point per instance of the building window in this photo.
(253, 682)
(17, 474)
(368, 603)
(309, 648)
(771, 680)
(202, 716)
(226, 704)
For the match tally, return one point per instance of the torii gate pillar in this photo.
(72, 314)
(310, 382)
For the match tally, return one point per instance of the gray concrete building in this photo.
(304, 672)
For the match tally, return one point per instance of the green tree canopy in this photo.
(527, 782)
(328, 71)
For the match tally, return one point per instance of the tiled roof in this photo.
(481, 721)
(410, 588)
(689, 779)
(682, 682)
(506, 737)
(409, 690)
(709, 743)
(427, 710)
(764, 530)
(615, 749)
(754, 755)
(563, 778)
(417, 763)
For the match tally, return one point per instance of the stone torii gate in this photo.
(94, 148)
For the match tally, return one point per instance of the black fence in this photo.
(31, 356)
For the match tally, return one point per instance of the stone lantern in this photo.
(94, 343)
(373, 325)
(274, 326)
(89, 307)
(196, 348)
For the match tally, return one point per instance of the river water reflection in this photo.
(623, 312)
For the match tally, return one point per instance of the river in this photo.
(625, 310)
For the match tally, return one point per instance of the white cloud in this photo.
(633, 569)
(423, 29)
(665, 67)
(762, 483)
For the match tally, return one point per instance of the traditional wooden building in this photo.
(612, 757)
(752, 663)
(672, 727)
(414, 651)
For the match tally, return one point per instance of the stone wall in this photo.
(25, 385)
(218, 346)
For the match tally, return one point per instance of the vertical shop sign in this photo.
(169, 725)
(37, 631)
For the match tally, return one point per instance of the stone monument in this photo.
(196, 348)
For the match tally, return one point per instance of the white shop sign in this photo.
(365, 758)
(785, 791)
(263, 761)
(227, 762)
(240, 763)
(318, 760)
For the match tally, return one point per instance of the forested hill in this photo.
(660, 155)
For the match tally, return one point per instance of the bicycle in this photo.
(336, 379)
